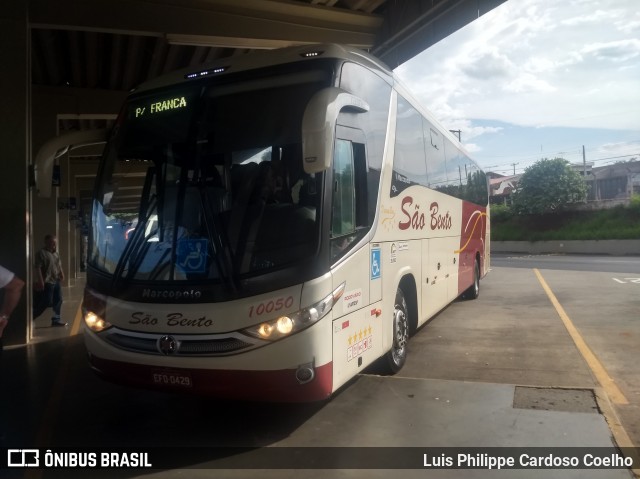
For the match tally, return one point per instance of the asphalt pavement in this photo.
(503, 371)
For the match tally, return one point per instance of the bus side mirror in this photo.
(318, 125)
(55, 148)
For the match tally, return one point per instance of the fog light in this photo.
(305, 373)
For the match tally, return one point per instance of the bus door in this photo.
(355, 329)
(435, 273)
(436, 250)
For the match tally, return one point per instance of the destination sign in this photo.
(154, 107)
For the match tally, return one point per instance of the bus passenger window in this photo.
(349, 220)
(343, 213)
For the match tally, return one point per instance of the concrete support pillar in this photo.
(15, 158)
(64, 231)
(48, 103)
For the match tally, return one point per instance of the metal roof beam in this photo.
(412, 27)
(220, 23)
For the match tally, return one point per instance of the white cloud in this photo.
(537, 62)
(527, 83)
(470, 130)
(540, 64)
(487, 65)
(617, 151)
(591, 17)
(616, 51)
(537, 78)
(629, 26)
(472, 148)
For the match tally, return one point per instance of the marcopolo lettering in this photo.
(171, 294)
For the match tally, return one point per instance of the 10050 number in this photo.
(270, 306)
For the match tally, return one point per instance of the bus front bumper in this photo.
(283, 385)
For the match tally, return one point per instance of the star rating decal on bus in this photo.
(359, 342)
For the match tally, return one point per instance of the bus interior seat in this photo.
(261, 194)
(214, 187)
(243, 179)
(286, 229)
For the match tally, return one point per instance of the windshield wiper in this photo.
(134, 241)
(219, 242)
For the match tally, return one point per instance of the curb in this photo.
(602, 247)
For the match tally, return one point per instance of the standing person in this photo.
(12, 286)
(49, 274)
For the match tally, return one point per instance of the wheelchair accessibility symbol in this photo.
(375, 263)
(192, 255)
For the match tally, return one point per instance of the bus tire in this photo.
(474, 290)
(397, 355)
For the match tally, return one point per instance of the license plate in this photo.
(172, 378)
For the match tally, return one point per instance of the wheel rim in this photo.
(400, 334)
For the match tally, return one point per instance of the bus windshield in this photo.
(206, 182)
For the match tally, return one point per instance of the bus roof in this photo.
(264, 58)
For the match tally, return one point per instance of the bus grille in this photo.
(148, 344)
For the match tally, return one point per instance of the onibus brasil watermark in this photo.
(33, 458)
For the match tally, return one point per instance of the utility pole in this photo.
(514, 168)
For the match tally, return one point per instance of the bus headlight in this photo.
(292, 323)
(94, 307)
(94, 322)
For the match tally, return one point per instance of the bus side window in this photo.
(363, 218)
(343, 221)
(349, 199)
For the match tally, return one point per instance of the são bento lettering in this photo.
(416, 219)
(170, 319)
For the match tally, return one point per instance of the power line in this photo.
(504, 169)
(562, 154)
(577, 151)
(615, 157)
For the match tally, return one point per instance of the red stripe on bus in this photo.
(472, 240)
(251, 385)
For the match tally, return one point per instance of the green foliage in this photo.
(548, 186)
(615, 223)
(477, 188)
(634, 204)
(474, 190)
(501, 213)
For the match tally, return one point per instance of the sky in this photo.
(538, 79)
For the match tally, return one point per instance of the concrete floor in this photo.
(451, 394)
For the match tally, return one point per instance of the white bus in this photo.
(267, 227)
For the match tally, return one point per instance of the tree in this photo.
(548, 186)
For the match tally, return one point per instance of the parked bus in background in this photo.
(268, 226)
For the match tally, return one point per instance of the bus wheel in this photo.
(397, 356)
(474, 290)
